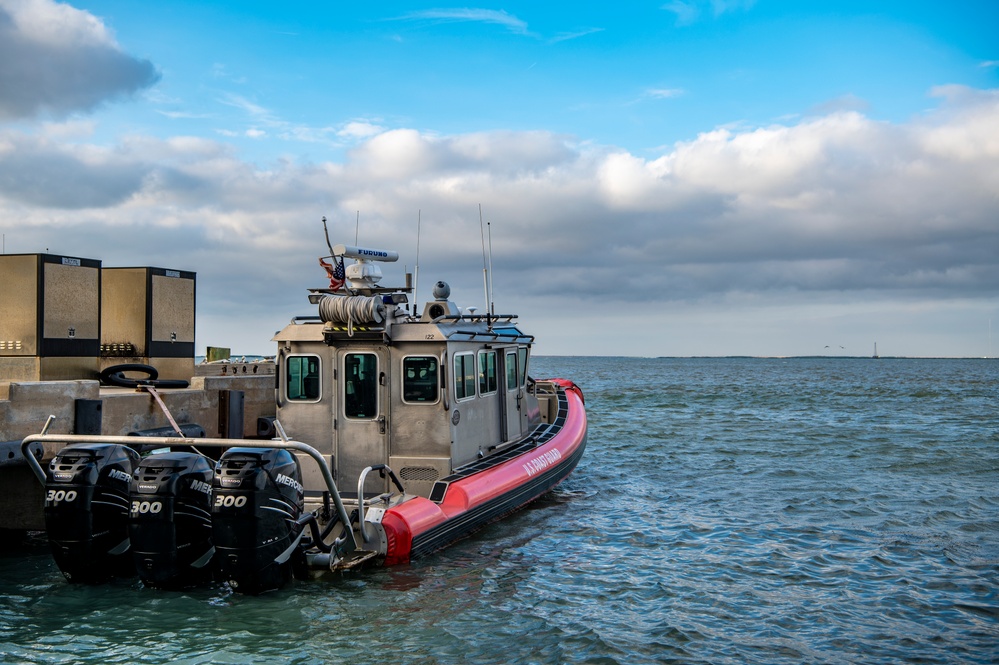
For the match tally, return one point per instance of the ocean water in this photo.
(725, 511)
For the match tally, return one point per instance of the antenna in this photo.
(357, 224)
(416, 276)
(327, 232)
(485, 270)
(492, 303)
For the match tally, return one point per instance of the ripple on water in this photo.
(726, 511)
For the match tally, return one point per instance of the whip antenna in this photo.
(334, 271)
(485, 270)
(492, 303)
(416, 276)
(327, 232)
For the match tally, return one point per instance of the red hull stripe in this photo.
(420, 526)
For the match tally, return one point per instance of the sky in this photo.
(671, 178)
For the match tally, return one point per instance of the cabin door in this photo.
(513, 395)
(361, 425)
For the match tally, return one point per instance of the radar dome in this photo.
(442, 291)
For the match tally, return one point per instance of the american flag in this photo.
(335, 272)
(337, 276)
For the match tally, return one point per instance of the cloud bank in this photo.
(838, 203)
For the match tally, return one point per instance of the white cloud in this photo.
(690, 11)
(971, 130)
(184, 115)
(664, 93)
(489, 16)
(848, 102)
(359, 129)
(67, 131)
(720, 7)
(56, 24)
(56, 60)
(251, 109)
(262, 122)
(574, 34)
(396, 155)
(628, 182)
(686, 12)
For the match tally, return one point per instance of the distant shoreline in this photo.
(270, 358)
(776, 357)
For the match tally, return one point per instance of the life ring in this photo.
(115, 376)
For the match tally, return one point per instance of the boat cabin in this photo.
(369, 382)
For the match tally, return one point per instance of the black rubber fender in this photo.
(115, 376)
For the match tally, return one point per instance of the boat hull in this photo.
(420, 526)
(472, 496)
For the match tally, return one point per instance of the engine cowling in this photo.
(257, 500)
(170, 519)
(86, 511)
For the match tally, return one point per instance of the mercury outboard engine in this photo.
(170, 520)
(258, 498)
(86, 510)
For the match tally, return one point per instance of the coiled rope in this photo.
(351, 310)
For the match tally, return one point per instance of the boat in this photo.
(875, 356)
(399, 429)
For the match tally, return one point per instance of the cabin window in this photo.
(511, 370)
(464, 376)
(420, 379)
(522, 365)
(360, 384)
(487, 372)
(302, 378)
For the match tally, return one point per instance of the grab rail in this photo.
(362, 502)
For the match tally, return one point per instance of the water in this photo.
(726, 511)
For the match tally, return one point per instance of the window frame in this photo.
(465, 378)
(377, 403)
(437, 379)
(523, 358)
(287, 378)
(484, 375)
(515, 367)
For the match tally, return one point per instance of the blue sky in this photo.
(639, 76)
(662, 178)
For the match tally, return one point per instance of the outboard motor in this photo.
(86, 511)
(170, 520)
(258, 498)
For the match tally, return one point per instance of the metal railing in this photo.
(344, 544)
